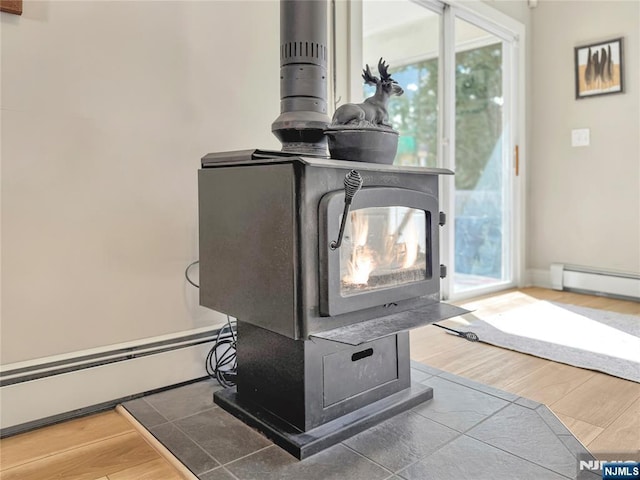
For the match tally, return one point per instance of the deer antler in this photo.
(383, 69)
(369, 78)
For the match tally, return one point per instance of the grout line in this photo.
(449, 426)
(368, 459)
(220, 467)
(477, 389)
(177, 427)
(569, 428)
(252, 453)
(513, 454)
(488, 417)
(213, 405)
(229, 472)
(435, 451)
(459, 434)
(190, 415)
(526, 459)
(155, 409)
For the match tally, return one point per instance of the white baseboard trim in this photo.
(626, 285)
(31, 394)
(587, 280)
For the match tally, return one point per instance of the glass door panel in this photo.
(456, 112)
(407, 36)
(383, 247)
(482, 219)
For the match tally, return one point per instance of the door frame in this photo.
(348, 85)
(512, 33)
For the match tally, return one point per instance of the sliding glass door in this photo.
(482, 160)
(459, 112)
(408, 37)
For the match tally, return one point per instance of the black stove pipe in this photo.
(303, 77)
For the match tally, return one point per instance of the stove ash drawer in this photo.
(356, 370)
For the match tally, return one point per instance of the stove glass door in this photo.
(383, 247)
(388, 252)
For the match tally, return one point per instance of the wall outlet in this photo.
(580, 137)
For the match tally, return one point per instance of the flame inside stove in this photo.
(381, 249)
(360, 228)
(362, 261)
(360, 266)
(410, 235)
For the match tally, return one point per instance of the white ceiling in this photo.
(381, 15)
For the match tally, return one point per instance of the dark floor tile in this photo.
(426, 368)
(144, 413)
(524, 433)
(469, 459)
(401, 440)
(221, 435)
(335, 463)
(525, 402)
(417, 376)
(589, 476)
(457, 406)
(218, 474)
(575, 447)
(184, 401)
(185, 449)
(552, 421)
(509, 397)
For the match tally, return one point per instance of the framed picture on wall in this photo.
(11, 6)
(599, 69)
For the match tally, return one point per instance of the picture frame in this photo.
(599, 69)
(11, 6)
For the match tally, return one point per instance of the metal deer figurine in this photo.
(373, 111)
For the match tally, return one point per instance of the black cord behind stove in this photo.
(222, 367)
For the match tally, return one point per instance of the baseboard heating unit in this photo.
(48, 390)
(595, 281)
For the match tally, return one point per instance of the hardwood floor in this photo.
(602, 411)
(105, 446)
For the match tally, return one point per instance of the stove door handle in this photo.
(352, 185)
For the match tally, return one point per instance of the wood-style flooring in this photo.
(602, 411)
(105, 446)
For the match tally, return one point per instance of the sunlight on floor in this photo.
(542, 320)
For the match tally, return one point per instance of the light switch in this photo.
(580, 137)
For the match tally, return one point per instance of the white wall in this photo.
(583, 202)
(107, 108)
(516, 9)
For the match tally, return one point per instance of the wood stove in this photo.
(323, 345)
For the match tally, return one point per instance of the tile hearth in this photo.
(469, 430)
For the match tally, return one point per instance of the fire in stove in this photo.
(383, 247)
(361, 259)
